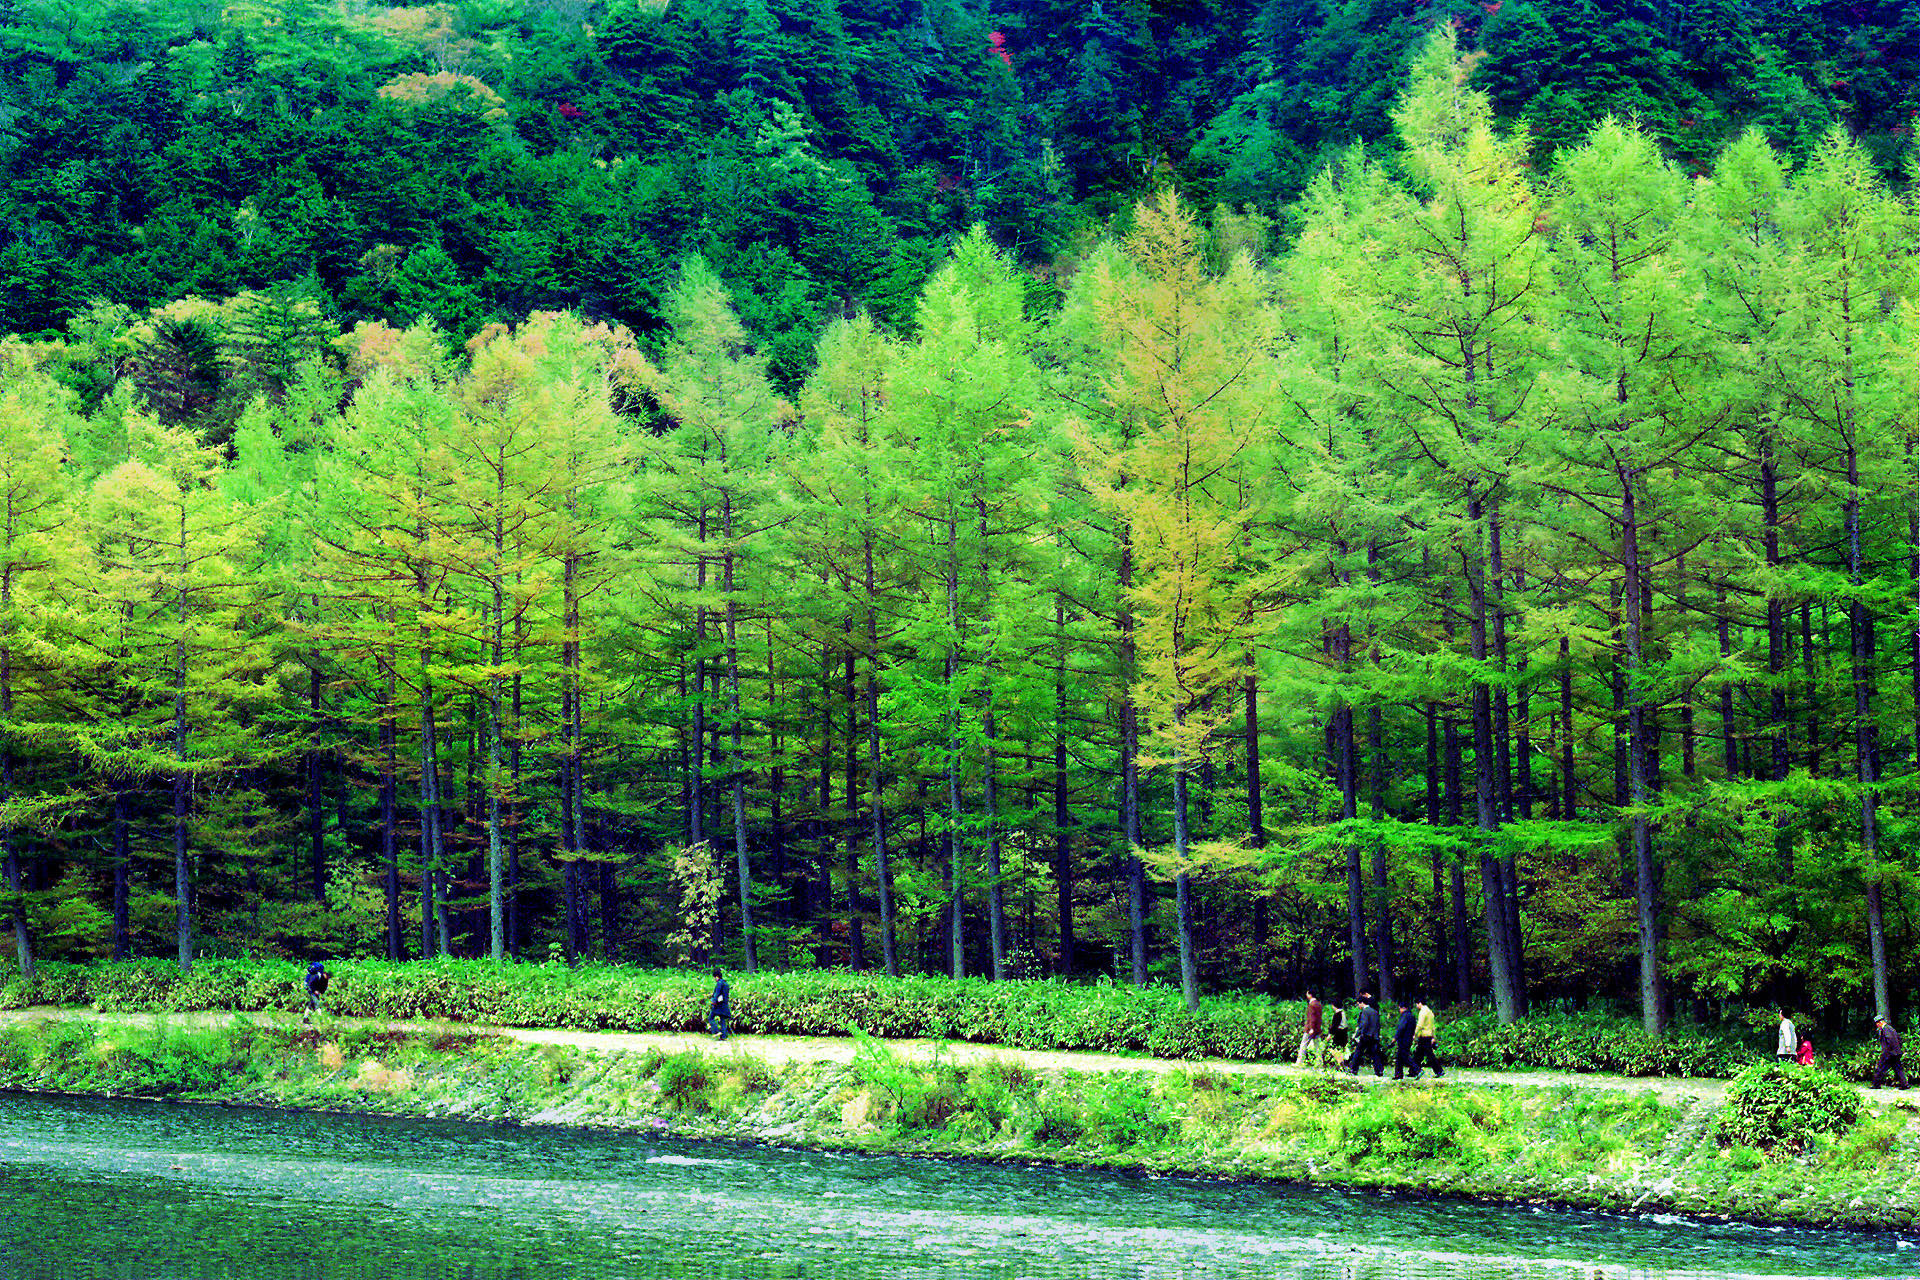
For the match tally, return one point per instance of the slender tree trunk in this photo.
(17, 908)
(1130, 828)
(316, 811)
(1347, 772)
(1653, 1003)
(1062, 812)
(122, 939)
(743, 869)
(1860, 643)
(1437, 907)
(1485, 798)
(1457, 871)
(876, 810)
(389, 817)
(1509, 872)
(1182, 886)
(856, 930)
(957, 844)
(1382, 899)
(182, 886)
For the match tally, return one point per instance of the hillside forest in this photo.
(1236, 497)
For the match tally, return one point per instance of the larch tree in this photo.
(1189, 358)
(1634, 407)
(1461, 294)
(714, 387)
(175, 562)
(34, 511)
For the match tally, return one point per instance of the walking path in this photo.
(781, 1050)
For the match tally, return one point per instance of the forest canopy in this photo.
(862, 486)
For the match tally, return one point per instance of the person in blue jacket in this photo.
(317, 980)
(718, 1014)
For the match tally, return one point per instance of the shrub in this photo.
(1771, 1106)
(686, 1081)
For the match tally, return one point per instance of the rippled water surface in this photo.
(150, 1191)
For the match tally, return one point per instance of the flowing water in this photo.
(148, 1191)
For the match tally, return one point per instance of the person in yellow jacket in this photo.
(1423, 1041)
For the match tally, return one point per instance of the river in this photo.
(91, 1189)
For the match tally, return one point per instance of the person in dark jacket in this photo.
(1366, 1037)
(317, 980)
(718, 1014)
(1889, 1054)
(1403, 1042)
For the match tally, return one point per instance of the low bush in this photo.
(1589, 1042)
(1777, 1106)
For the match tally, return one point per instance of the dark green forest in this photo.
(1237, 496)
(482, 161)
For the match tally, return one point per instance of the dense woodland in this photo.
(884, 489)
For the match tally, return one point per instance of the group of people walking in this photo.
(1790, 1046)
(1326, 1035)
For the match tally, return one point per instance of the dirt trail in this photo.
(790, 1049)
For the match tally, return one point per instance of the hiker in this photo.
(1403, 1041)
(1889, 1054)
(717, 1013)
(1786, 1047)
(1423, 1041)
(1337, 1030)
(1366, 1038)
(1805, 1056)
(317, 980)
(1311, 1039)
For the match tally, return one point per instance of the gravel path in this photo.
(792, 1049)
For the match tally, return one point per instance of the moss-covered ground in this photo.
(1604, 1148)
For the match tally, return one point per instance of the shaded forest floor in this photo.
(789, 1050)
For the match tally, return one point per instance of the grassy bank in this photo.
(1044, 1015)
(1602, 1149)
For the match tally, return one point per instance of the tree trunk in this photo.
(1485, 799)
(1130, 829)
(1653, 1004)
(876, 811)
(1062, 839)
(1860, 644)
(743, 869)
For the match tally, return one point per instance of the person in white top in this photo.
(1787, 1048)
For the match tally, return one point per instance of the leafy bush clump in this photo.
(1588, 1043)
(1449, 1127)
(1774, 1106)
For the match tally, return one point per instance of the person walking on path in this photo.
(1337, 1030)
(718, 1014)
(1403, 1042)
(1366, 1038)
(1310, 1040)
(317, 980)
(1889, 1054)
(1423, 1041)
(1786, 1048)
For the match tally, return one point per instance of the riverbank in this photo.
(1604, 1148)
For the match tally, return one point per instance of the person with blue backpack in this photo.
(317, 980)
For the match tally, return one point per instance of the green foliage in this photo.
(1589, 1043)
(1775, 1106)
(1423, 1125)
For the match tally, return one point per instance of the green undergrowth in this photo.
(1606, 1148)
(1043, 1015)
